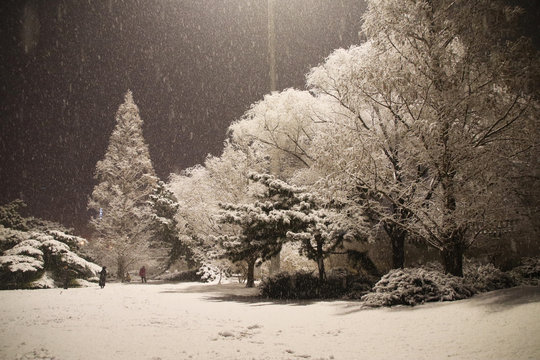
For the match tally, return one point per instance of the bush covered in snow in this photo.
(40, 258)
(209, 272)
(487, 277)
(188, 275)
(412, 286)
(304, 285)
(528, 272)
(301, 285)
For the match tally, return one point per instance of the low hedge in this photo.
(305, 285)
(528, 272)
(412, 286)
(487, 277)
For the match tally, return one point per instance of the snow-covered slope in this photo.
(201, 321)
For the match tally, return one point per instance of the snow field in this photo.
(205, 321)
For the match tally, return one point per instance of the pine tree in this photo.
(126, 179)
(322, 231)
(165, 226)
(262, 225)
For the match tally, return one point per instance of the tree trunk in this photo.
(251, 273)
(452, 240)
(398, 249)
(320, 262)
(120, 268)
(452, 258)
(397, 239)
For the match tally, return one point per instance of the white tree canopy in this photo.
(125, 178)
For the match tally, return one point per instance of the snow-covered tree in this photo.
(284, 123)
(200, 189)
(262, 225)
(461, 104)
(42, 255)
(126, 179)
(429, 99)
(322, 232)
(364, 150)
(282, 126)
(165, 226)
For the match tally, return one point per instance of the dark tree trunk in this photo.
(320, 262)
(322, 274)
(121, 269)
(397, 239)
(452, 258)
(398, 249)
(251, 273)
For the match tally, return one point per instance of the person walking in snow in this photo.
(103, 277)
(142, 274)
(66, 277)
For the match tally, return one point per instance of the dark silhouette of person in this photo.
(103, 277)
(66, 277)
(142, 274)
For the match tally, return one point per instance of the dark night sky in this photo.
(193, 66)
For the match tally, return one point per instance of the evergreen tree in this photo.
(284, 213)
(263, 225)
(322, 231)
(126, 179)
(165, 226)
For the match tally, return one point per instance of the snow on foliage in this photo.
(79, 264)
(487, 278)
(413, 286)
(27, 247)
(26, 254)
(21, 263)
(46, 281)
(72, 240)
(210, 272)
(55, 247)
(126, 178)
(528, 272)
(9, 237)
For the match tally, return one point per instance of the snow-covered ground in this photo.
(197, 321)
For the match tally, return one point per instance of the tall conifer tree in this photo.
(126, 178)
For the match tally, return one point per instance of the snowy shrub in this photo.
(46, 281)
(34, 259)
(83, 283)
(10, 237)
(487, 277)
(304, 285)
(412, 286)
(189, 275)
(74, 242)
(80, 265)
(55, 247)
(301, 285)
(528, 273)
(209, 272)
(26, 247)
(21, 263)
